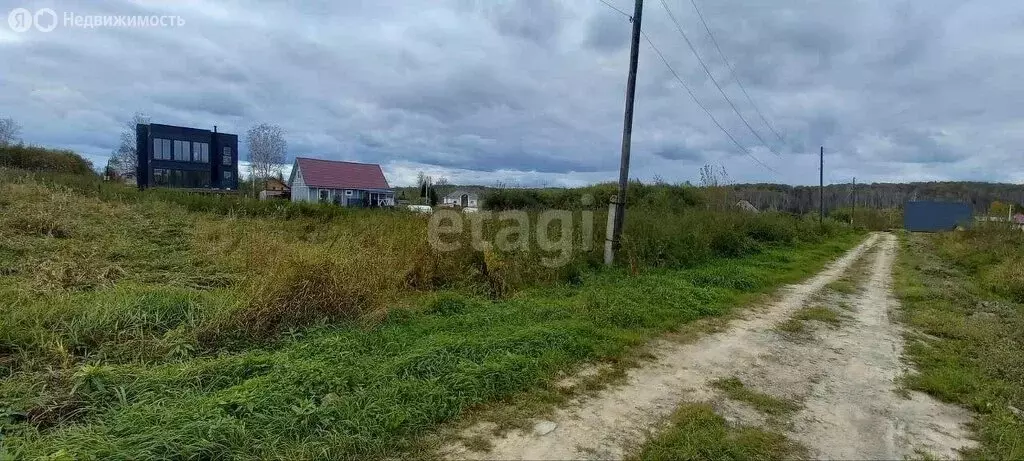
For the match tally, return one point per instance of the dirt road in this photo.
(843, 378)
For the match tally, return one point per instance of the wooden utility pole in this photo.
(853, 216)
(614, 241)
(821, 188)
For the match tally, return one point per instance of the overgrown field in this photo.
(163, 324)
(963, 294)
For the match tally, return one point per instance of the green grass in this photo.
(967, 329)
(844, 286)
(734, 389)
(795, 328)
(819, 314)
(137, 327)
(697, 433)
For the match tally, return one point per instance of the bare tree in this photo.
(124, 159)
(267, 149)
(10, 131)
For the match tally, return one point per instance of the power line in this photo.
(692, 95)
(609, 5)
(732, 72)
(712, 77)
(699, 104)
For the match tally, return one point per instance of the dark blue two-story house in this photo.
(177, 156)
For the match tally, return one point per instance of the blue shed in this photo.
(926, 216)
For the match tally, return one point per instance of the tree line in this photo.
(804, 199)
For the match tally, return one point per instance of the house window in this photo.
(159, 175)
(180, 178)
(226, 156)
(348, 192)
(325, 195)
(161, 149)
(182, 153)
(200, 152)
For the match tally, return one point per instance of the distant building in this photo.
(348, 184)
(746, 206)
(275, 188)
(465, 198)
(177, 156)
(927, 216)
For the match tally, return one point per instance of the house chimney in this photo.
(215, 128)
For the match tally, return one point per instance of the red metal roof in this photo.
(341, 175)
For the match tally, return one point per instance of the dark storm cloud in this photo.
(532, 91)
(679, 153)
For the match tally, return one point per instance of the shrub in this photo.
(511, 199)
(770, 227)
(35, 158)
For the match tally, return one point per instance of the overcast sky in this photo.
(532, 92)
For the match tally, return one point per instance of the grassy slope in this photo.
(968, 347)
(105, 364)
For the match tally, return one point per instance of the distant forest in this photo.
(804, 199)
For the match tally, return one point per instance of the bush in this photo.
(36, 158)
(771, 227)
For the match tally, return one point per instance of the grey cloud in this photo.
(606, 34)
(679, 153)
(535, 89)
(535, 20)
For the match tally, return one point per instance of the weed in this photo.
(734, 389)
(794, 327)
(700, 434)
(820, 314)
(844, 286)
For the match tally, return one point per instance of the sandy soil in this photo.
(844, 378)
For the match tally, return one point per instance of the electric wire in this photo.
(732, 71)
(712, 77)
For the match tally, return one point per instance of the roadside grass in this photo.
(340, 391)
(698, 433)
(967, 328)
(164, 325)
(736, 390)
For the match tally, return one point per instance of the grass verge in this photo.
(351, 391)
(967, 328)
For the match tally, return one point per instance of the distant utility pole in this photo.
(821, 188)
(853, 216)
(613, 242)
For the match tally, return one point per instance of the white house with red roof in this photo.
(347, 184)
